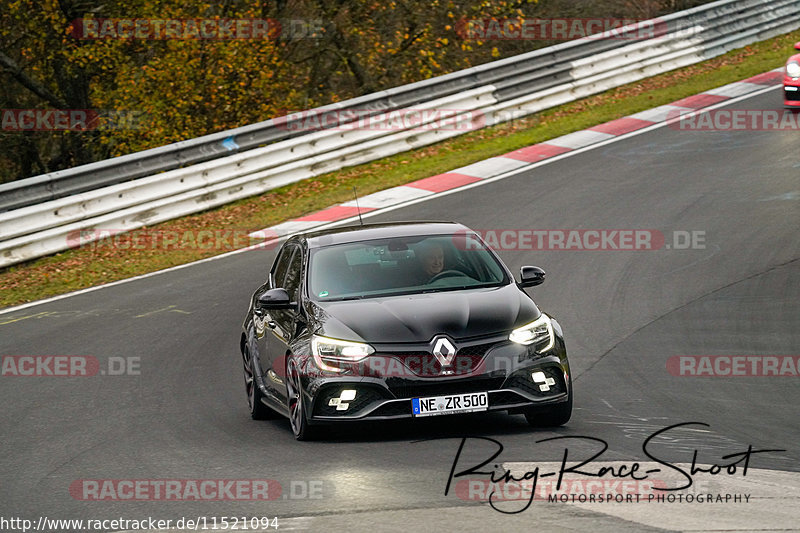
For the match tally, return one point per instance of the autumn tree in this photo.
(172, 89)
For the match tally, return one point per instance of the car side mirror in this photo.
(530, 276)
(797, 46)
(274, 299)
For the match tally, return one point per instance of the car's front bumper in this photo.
(791, 92)
(504, 370)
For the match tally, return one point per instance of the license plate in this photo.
(448, 405)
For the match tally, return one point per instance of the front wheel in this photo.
(557, 415)
(552, 417)
(294, 394)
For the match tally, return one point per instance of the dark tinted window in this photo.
(292, 281)
(281, 265)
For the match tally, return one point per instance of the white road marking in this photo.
(661, 113)
(579, 139)
(387, 197)
(490, 167)
(734, 89)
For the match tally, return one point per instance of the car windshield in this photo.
(402, 265)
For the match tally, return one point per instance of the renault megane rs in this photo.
(380, 322)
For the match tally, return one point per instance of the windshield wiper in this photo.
(454, 288)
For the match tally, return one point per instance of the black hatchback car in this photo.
(400, 320)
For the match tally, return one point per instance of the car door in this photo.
(268, 336)
(281, 324)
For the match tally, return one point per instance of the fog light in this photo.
(544, 382)
(348, 395)
(340, 403)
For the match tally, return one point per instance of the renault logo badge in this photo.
(444, 351)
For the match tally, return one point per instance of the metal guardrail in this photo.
(231, 165)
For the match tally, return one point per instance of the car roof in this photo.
(358, 233)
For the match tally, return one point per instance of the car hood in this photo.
(419, 317)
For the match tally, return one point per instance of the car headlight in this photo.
(793, 69)
(330, 353)
(539, 333)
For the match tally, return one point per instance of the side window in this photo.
(292, 281)
(281, 265)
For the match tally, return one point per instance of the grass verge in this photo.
(94, 265)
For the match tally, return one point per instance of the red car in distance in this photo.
(791, 81)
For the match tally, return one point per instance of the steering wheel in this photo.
(446, 274)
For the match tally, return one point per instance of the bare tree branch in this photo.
(29, 83)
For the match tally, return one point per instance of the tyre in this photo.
(297, 412)
(553, 417)
(258, 410)
(557, 415)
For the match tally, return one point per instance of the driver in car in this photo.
(431, 257)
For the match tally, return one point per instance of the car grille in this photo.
(792, 95)
(468, 360)
(476, 349)
(439, 387)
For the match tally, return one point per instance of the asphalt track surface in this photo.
(624, 314)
